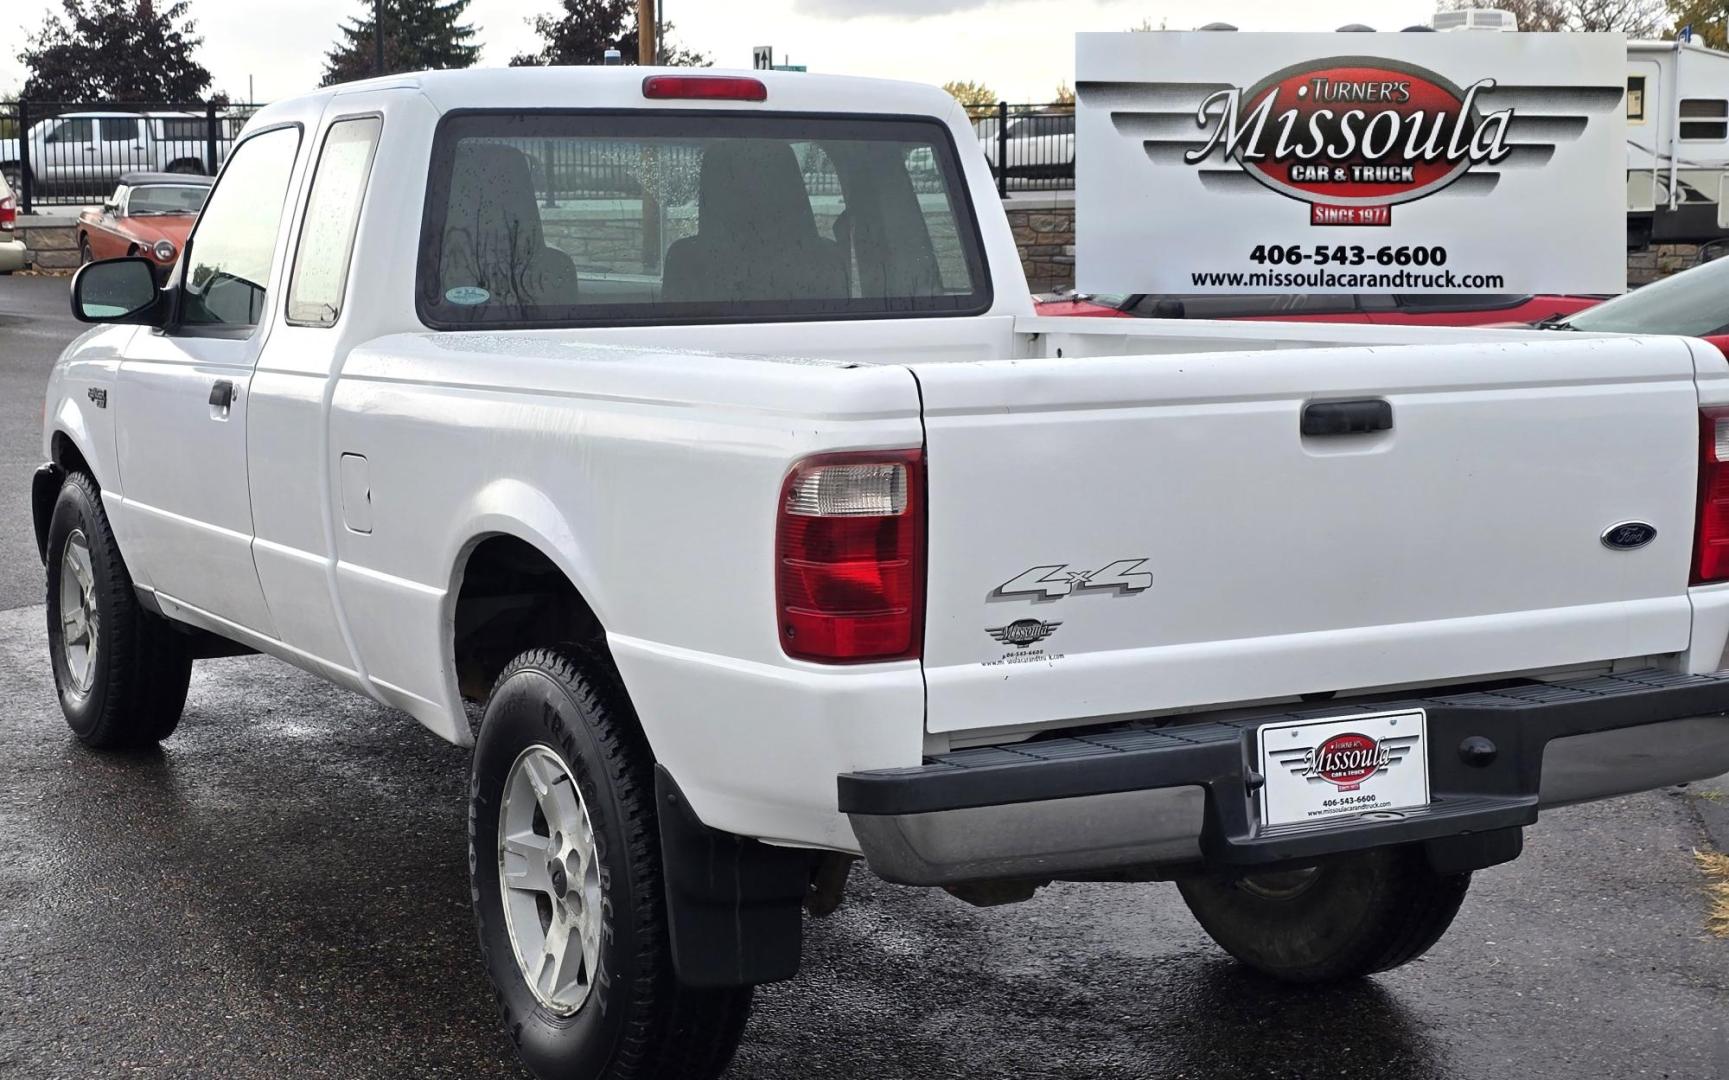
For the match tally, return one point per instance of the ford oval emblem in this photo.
(1627, 535)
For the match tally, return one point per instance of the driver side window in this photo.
(229, 256)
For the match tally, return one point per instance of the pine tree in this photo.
(582, 31)
(419, 35)
(128, 51)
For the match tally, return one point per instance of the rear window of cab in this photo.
(546, 219)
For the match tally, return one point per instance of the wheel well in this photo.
(513, 598)
(67, 455)
(192, 165)
(45, 485)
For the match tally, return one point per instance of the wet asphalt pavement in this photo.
(280, 891)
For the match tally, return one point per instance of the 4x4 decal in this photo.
(1058, 580)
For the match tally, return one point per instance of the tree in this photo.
(1639, 18)
(1706, 17)
(115, 50)
(1065, 94)
(419, 35)
(582, 30)
(971, 94)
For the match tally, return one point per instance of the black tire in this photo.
(644, 1023)
(14, 174)
(187, 168)
(85, 255)
(1344, 919)
(138, 677)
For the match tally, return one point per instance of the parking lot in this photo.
(281, 891)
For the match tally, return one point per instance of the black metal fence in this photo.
(60, 153)
(1030, 147)
(73, 153)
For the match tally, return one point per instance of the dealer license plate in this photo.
(1318, 769)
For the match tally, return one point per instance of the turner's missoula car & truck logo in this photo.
(1353, 136)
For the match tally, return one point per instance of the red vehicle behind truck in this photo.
(1405, 309)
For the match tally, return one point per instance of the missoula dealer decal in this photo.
(1352, 136)
(1416, 163)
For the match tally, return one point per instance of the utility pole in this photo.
(378, 37)
(647, 34)
(647, 55)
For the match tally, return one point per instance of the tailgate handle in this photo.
(1347, 417)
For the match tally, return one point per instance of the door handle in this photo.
(1360, 417)
(222, 394)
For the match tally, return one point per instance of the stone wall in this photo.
(1659, 261)
(1046, 238)
(51, 245)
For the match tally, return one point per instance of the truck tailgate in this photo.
(1123, 534)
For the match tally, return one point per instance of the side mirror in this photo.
(117, 291)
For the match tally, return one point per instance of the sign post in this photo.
(1409, 163)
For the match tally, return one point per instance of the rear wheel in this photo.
(564, 863)
(121, 671)
(85, 257)
(14, 173)
(187, 167)
(1343, 919)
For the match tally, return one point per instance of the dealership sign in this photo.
(1229, 162)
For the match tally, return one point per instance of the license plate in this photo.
(1318, 769)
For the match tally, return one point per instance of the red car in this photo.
(1407, 309)
(1694, 302)
(149, 214)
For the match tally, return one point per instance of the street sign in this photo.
(762, 57)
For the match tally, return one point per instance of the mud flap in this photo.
(735, 906)
(44, 490)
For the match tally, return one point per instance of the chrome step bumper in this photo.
(1174, 794)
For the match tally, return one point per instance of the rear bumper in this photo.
(1182, 795)
(12, 255)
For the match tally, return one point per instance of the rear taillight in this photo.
(8, 213)
(1711, 531)
(850, 558)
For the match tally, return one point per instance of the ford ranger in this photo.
(687, 444)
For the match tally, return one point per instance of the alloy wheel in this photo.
(80, 621)
(549, 874)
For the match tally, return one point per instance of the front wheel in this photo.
(122, 672)
(564, 865)
(1343, 919)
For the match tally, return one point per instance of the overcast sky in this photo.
(1020, 48)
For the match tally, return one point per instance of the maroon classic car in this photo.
(149, 214)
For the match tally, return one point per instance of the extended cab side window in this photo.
(229, 256)
(332, 214)
(72, 131)
(118, 130)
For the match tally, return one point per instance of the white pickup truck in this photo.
(89, 151)
(773, 530)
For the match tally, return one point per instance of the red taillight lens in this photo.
(850, 558)
(704, 88)
(8, 214)
(1711, 531)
